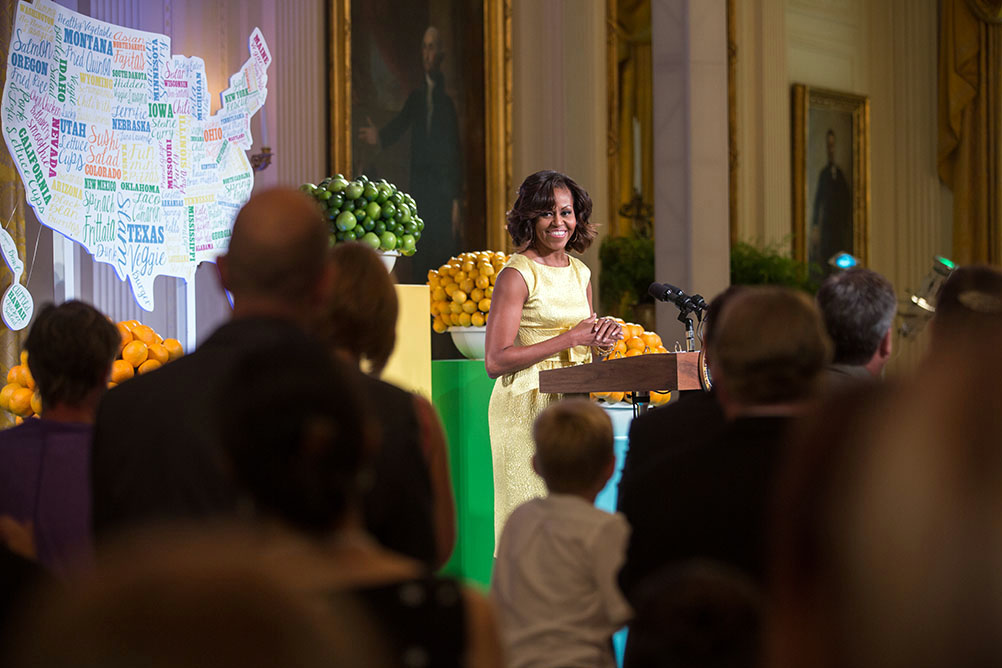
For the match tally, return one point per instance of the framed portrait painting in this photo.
(420, 96)
(831, 175)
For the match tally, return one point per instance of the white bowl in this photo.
(469, 340)
(389, 259)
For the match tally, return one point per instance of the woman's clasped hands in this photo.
(596, 332)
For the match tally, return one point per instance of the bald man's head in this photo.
(277, 251)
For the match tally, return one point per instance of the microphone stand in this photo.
(685, 317)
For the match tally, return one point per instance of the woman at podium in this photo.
(541, 318)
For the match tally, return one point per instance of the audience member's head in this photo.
(969, 304)
(361, 299)
(295, 430)
(195, 602)
(858, 307)
(574, 453)
(770, 347)
(275, 262)
(697, 614)
(70, 350)
(890, 539)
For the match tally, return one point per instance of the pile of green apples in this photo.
(376, 213)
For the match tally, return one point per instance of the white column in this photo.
(692, 246)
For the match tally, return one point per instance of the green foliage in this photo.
(751, 265)
(627, 272)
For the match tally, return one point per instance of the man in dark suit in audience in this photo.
(155, 455)
(710, 500)
(858, 307)
(691, 418)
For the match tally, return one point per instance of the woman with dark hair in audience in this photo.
(295, 423)
(409, 506)
(541, 318)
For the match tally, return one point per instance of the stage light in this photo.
(920, 306)
(843, 261)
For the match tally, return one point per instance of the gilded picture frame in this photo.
(830, 174)
(491, 181)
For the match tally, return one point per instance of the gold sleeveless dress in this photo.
(558, 300)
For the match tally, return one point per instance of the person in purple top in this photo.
(45, 463)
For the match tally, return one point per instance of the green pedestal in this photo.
(461, 390)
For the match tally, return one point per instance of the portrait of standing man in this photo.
(435, 175)
(831, 219)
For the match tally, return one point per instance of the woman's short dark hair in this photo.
(362, 299)
(70, 351)
(535, 197)
(295, 428)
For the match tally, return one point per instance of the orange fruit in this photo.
(159, 353)
(483, 281)
(112, 384)
(660, 397)
(476, 295)
(484, 305)
(121, 371)
(620, 347)
(25, 379)
(635, 343)
(20, 402)
(18, 421)
(661, 349)
(478, 319)
(459, 296)
(135, 353)
(149, 365)
(633, 352)
(465, 320)
(469, 307)
(14, 374)
(174, 349)
(36, 403)
(616, 397)
(144, 334)
(438, 294)
(651, 339)
(439, 325)
(489, 291)
(127, 324)
(5, 395)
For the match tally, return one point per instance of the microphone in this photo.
(666, 292)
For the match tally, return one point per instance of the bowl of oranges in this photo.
(460, 292)
(635, 342)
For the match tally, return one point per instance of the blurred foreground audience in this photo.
(154, 457)
(677, 425)
(193, 600)
(697, 614)
(45, 463)
(300, 442)
(888, 539)
(969, 306)
(858, 307)
(409, 505)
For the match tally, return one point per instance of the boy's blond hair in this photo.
(573, 445)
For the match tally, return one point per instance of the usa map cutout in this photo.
(114, 140)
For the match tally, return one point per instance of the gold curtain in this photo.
(636, 99)
(970, 125)
(11, 202)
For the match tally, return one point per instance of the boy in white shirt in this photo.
(554, 583)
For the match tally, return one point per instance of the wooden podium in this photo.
(643, 373)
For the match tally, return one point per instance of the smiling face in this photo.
(554, 228)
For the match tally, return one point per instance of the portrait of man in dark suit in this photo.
(429, 117)
(831, 218)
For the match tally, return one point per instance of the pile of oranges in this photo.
(635, 342)
(142, 350)
(461, 289)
